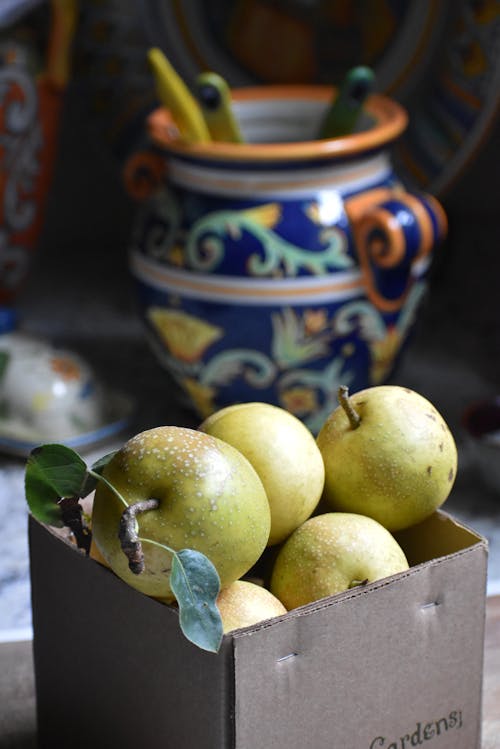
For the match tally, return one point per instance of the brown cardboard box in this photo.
(391, 665)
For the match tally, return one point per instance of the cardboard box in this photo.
(391, 665)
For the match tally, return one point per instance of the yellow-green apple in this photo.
(209, 498)
(388, 454)
(244, 603)
(331, 553)
(283, 452)
(96, 555)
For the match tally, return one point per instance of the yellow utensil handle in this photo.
(175, 96)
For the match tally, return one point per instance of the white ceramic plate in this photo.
(18, 440)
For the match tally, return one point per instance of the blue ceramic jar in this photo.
(280, 268)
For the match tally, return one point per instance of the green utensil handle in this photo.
(346, 108)
(214, 97)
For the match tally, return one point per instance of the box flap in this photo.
(437, 536)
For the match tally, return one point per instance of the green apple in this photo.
(210, 499)
(283, 452)
(331, 553)
(244, 603)
(388, 454)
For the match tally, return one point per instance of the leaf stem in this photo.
(100, 477)
(157, 543)
(346, 403)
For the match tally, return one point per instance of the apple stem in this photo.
(346, 403)
(129, 539)
(357, 583)
(73, 519)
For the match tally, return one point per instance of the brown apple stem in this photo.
(127, 533)
(346, 403)
(357, 583)
(71, 511)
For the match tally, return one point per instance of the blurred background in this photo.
(441, 60)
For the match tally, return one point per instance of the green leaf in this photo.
(101, 464)
(196, 585)
(52, 473)
(91, 480)
(4, 360)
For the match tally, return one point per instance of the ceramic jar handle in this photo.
(393, 234)
(145, 170)
(143, 174)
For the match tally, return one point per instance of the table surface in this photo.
(491, 694)
(17, 698)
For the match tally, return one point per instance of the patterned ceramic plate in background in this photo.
(440, 59)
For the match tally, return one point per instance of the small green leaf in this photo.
(52, 473)
(196, 585)
(4, 360)
(91, 480)
(101, 464)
